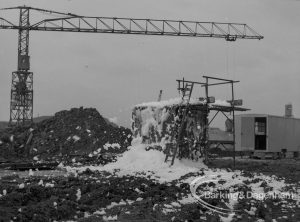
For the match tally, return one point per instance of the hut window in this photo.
(260, 125)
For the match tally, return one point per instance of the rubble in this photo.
(81, 134)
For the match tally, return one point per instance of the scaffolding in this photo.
(207, 106)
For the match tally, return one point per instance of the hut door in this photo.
(261, 133)
(247, 133)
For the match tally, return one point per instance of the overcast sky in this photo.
(114, 72)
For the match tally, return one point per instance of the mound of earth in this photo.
(77, 133)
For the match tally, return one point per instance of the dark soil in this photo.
(289, 169)
(68, 134)
(144, 199)
(36, 202)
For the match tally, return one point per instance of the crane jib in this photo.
(21, 105)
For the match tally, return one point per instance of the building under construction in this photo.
(180, 126)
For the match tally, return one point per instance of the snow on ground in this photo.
(76, 138)
(139, 162)
(137, 159)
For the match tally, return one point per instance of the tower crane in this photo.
(21, 98)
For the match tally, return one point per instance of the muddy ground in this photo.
(103, 196)
(283, 168)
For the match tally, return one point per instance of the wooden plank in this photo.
(29, 165)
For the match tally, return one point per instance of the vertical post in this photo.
(183, 86)
(205, 133)
(159, 95)
(21, 97)
(233, 123)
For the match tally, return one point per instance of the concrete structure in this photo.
(267, 134)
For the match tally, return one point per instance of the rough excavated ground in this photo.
(80, 133)
(102, 178)
(146, 190)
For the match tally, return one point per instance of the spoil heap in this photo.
(77, 133)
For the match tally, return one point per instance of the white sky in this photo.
(114, 72)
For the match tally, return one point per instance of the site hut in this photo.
(268, 136)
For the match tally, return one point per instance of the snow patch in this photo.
(151, 162)
(100, 212)
(41, 183)
(49, 185)
(163, 103)
(76, 138)
(178, 100)
(113, 145)
(30, 173)
(113, 120)
(110, 218)
(78, 195)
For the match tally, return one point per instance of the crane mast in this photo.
(21, 94)
(21, 100)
